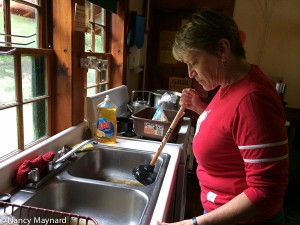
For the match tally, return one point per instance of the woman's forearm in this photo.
(239, 208)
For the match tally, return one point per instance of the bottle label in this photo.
(105, 128)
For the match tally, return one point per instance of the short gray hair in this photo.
(203, 32)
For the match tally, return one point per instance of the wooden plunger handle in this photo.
(178, 116)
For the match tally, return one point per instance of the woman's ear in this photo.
(223, 48)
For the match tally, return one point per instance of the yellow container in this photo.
(106, 130)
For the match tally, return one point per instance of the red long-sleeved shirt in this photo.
(242, 146)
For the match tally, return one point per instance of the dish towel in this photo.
(40, 162)
(140, 23)
(135, 30)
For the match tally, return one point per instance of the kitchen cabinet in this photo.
(292, 197)
(193, 204)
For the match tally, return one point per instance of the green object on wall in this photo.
(110, 5)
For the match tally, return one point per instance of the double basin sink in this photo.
(98, 183)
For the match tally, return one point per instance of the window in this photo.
(21, 26)
(95, 36)
(24, 76)
(97, 77)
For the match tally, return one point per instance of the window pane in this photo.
(88, 40)
(31, 1)
(33, 76)
(103, 76)
(35, 123)
(8, 131)
(91, 91)
(99, 15)
(7, 79)
(91, 77)
(103, 87)
(95, 35)
(24, 22)
(99, 36)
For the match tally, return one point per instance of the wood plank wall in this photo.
(62, 46)
(68, 46)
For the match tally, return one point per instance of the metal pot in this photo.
(166, 105)
(139, 104)
(124, 124)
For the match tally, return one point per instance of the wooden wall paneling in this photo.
(161, 79)
(163, 20)
(167, 16)
(62, 46)
(78, 73)
(117, 45)
(226, 6)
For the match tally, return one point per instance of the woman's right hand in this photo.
(191, 100)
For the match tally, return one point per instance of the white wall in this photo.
(272, 30)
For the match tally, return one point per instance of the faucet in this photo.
(64, 150)
(34, 175)
(66, 155)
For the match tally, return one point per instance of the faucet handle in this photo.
(66, 148)
(34, 175)
(50, 166)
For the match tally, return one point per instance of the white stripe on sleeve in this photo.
(266, 160)
(268, 145)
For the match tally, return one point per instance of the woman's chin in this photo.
(205, 87)
(208, 87)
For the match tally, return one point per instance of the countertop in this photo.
(72, 136)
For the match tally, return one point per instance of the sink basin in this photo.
(99, 184)
(112, 165)
(108, 205)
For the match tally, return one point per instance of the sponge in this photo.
(88, 146)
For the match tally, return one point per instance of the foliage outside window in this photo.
(24, 76)
(97, 79)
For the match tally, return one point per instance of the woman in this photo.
(240, 143)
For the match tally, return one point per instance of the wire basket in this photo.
(11, 214)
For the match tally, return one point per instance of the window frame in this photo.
(17, 53)
(104, 26)
(67, 76)
(41, 20)
(97, 55)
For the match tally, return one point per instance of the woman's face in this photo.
(204, 67)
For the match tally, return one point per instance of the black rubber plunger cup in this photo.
(145, 173)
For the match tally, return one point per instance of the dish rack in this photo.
(24, 214)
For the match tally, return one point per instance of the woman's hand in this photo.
(191, 100)
(184, 222)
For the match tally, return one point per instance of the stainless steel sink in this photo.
(108, 205)
(99, 184)
(112, 166)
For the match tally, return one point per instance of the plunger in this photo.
(145, 173)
